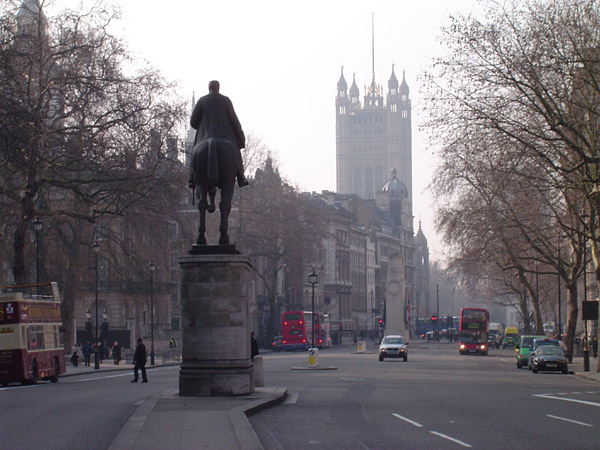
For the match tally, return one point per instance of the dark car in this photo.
(277, 344)
(541, 342)
(551, 359)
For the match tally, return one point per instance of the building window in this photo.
(404, 113)
(394, 107)
(342, 110)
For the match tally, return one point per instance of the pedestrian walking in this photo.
(139, 361)
(75, 354)
(87, 352)
(116, 353)
(100, 349)
(253, 346)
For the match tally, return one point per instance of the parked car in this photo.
(537, 343)
(523, 348)
(393, 346)
(550, 358)
(277, 344)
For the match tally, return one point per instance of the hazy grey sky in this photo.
(279, 62)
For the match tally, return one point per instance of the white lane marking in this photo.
(412, 422)
(584, 402)
(569, 420)
(456, 441)
(126, 374)
(101, 378)
(18, 387)
(292, 398)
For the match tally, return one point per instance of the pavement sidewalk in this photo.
(174, 422)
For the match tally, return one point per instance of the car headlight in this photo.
(462, 346)
(382, 349)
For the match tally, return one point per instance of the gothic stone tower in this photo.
(372, 137)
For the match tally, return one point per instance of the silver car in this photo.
(393, 346)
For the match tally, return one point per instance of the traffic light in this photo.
(449, 322)
(381, 323)
(340, 325)
(434, 320)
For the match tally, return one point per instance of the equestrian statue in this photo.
(216, 157)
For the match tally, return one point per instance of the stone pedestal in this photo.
(216, 321)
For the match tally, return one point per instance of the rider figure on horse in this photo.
(216, 158)
(214, 117)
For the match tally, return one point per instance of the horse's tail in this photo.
(212, 172)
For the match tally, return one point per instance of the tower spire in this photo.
(373, 45)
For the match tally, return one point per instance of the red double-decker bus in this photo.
(296, 329)
(473, 331)
(31, 347)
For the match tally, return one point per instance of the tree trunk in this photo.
(572, 311)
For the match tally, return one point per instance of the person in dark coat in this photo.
(214, 117)
(87, 352)
(139, 361)
(253, 346)
(116, 353)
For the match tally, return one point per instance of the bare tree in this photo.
(526, 75)
(76, 120)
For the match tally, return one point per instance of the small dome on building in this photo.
(395, 187)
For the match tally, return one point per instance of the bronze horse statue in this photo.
(214, 165)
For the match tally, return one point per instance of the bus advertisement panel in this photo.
(473, 331)
(30, 340)
(296, 329)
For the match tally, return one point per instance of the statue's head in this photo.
(213, 86)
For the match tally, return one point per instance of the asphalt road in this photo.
(81, 412)
(437, 400)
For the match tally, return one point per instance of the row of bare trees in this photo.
(514, 109)
(82, 138)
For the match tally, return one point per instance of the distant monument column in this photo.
(216, 320)
(395, 290)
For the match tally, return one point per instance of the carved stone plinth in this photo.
(215, 302)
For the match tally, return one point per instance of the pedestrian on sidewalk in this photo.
(75, 354)
(139, 361)
(87, 352)
(116, 353)
(253, 346)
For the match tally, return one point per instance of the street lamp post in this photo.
(152, 266)
(313, 279)
(559, 307)
(372, 314)
(37, 224)
(586, 344)
(96, 248)
(105, 319)
(437, 293)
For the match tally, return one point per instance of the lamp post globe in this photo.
(313, 279)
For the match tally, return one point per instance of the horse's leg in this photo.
(202, 206)
(212, 192)
(225, 209)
